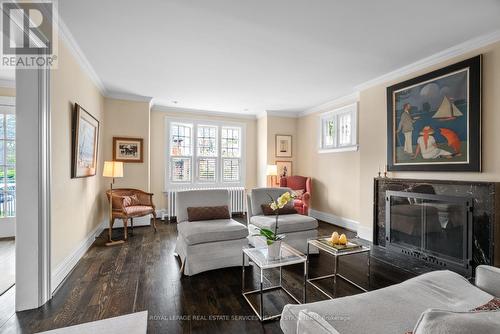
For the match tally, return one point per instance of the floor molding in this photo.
(336, 220)
(67, 265)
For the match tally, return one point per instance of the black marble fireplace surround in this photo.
(483, 199)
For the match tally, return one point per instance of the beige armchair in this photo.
(130, 204)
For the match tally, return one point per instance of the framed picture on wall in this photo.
(128, 149)
(434, 121)
(284, 169)
(283, 146)
(85, 139)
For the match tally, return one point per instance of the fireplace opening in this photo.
(433, 228)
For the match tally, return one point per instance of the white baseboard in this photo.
(349, 224)
(65, 267)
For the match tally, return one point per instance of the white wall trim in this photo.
(67, 265)
(350, 224)
(442, 56)
(128, 97)
(162, 108)
(77, 52)
(282, 113)
(346, 223)
(338, 102)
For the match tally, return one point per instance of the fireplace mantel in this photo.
(486, 211)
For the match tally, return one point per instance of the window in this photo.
(7, 161)
(204, 153)
(339, 130)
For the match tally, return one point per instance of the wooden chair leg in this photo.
(110, 230)
(154, 221)
(131, 226)
(125, 231)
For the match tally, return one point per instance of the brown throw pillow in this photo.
(287, 210)
(492, 305)
(208, 213)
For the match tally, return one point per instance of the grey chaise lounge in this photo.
(211, 244)
(395, 309)
(297, 228)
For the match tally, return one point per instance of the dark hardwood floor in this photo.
(143, 274)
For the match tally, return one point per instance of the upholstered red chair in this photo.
(300, 183)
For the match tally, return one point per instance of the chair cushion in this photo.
(199, 232)
(138, 210)
(298, 192)
(208, 213)
(443, 321)
(286, 223)
(286, 210)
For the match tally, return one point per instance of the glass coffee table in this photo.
(336, 254)
(258, 256)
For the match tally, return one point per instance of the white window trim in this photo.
(195, 183)
(351, 108)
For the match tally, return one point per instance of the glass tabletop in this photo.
(289, 255)
(324, 244)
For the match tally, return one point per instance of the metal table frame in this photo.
(261, 290)
(336, 256)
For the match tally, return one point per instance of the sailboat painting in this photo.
(434, 120)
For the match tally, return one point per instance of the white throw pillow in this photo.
(434, 321)
(312, 323)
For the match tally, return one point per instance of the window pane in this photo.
(231, 170)
(2, 152)
(329, 132)
(11, 152)
(180, 139)
(207, 141)
(11, 126)
(181, 169)
(2, 128)
(11, 178)
(230, 142)
(9, 199)
(345, 129)
(206, 169)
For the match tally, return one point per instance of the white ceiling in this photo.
(246, 56)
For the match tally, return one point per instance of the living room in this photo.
(228, 166)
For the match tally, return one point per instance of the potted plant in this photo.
(273, 239)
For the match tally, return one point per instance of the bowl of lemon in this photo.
(339, 242)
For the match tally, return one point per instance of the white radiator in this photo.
(236, 194)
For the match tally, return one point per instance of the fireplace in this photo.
(425, 225)
(430, 227)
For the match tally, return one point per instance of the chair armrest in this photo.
(488, 279)
(306, 198)
(249, 208)
(145, 198)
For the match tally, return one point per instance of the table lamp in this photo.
(113, 169)
(271, 172)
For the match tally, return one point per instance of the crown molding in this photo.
(281, 113)
(162, 108)
(77, 52)
(338, 102)
(435, 59)
(128, 97)
(7, 83)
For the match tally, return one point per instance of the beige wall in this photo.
(335, 175)
(4, 91)
(159, 147)
(344, 181)
(128, 119)
(281, 126)
(78, 205)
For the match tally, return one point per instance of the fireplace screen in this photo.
(431, 227)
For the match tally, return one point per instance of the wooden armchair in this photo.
(130, 204)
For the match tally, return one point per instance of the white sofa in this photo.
(297, 228)
(208, 245)
(395, 309)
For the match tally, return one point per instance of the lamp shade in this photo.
(272, 170)
(113, 169)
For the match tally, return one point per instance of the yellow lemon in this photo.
(335, 237)
(343, 239)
